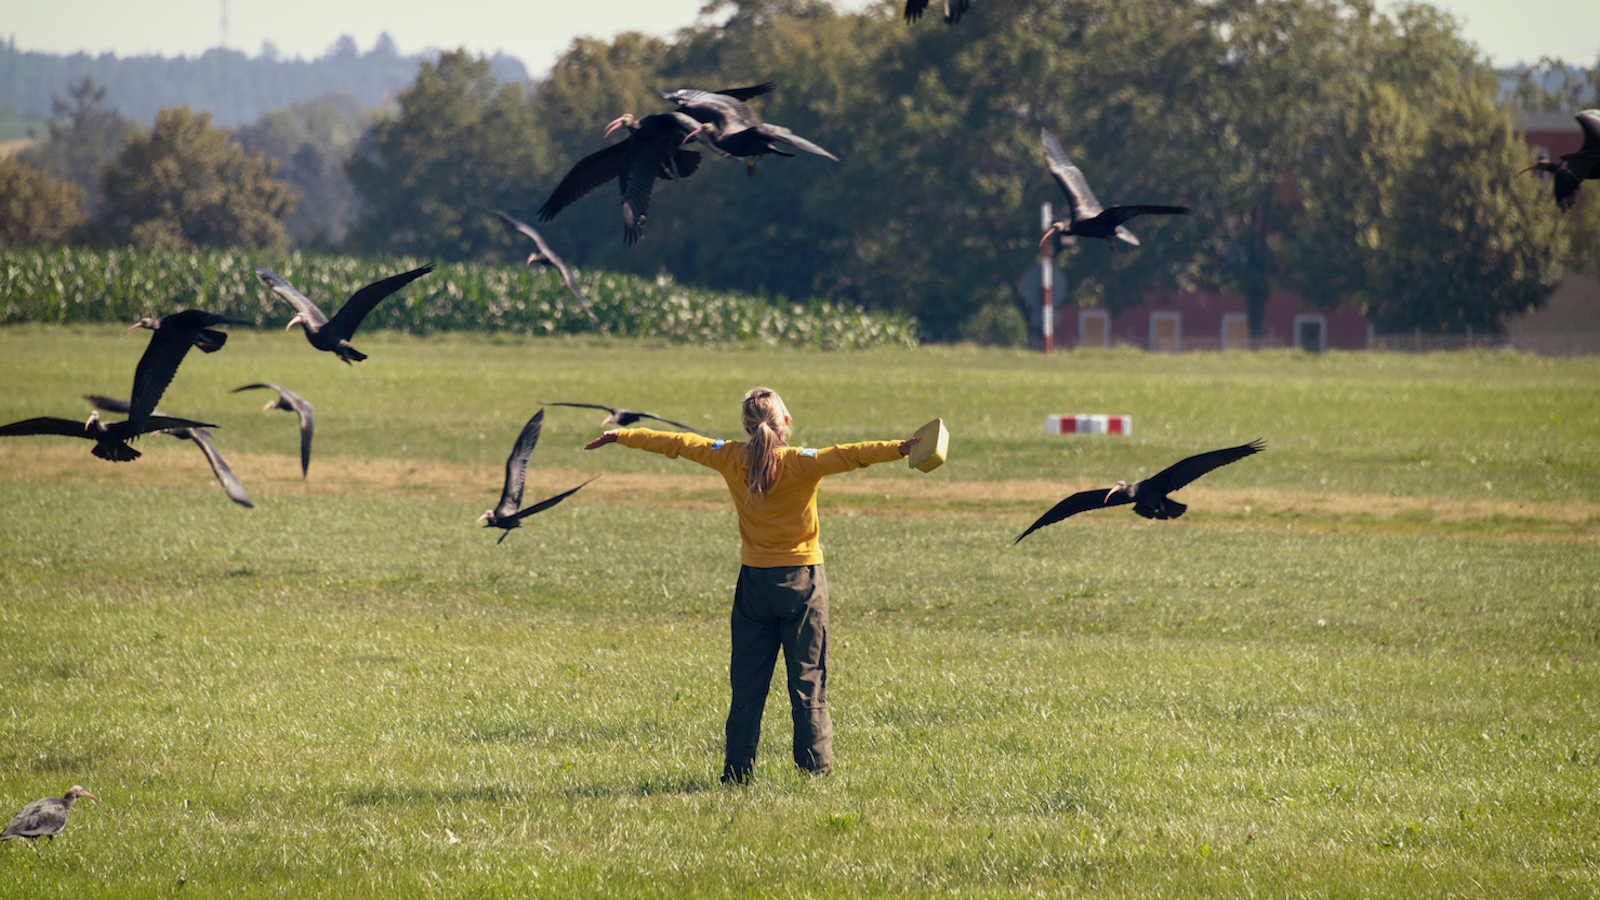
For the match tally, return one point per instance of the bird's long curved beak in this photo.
(1528, 169)
(485, 517)
(131, 328)
(1048, 232)
(1119, 486)
(294, 321)
(93, 418)
(90, 796)
(614, 125)
(690, 136)
(269, 407)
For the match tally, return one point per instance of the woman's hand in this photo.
(905, 446)
(610, 437)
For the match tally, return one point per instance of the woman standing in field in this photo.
(782, 596)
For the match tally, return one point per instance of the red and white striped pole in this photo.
(1047, 279)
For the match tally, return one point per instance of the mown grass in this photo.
(356, 693)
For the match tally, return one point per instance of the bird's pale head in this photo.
(484, 519)
(94, 419)
(145, 322)
(77, 791)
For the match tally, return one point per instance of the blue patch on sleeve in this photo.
(809, 451)
(717, 444)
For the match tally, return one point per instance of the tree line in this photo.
(1354, 156)
(234, 87)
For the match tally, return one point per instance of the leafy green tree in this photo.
(85, 135)
(310, 141)
(1413, 214)
(35, 209)
(461, 144)
(1417, 244)
(187, 185)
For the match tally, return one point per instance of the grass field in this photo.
(1365, 664)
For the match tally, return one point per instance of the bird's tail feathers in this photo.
(116, 452)
(210, 341)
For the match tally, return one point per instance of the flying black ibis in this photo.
(505, 514)
(650, 151)
(171, 336)
(1569, 172)
(45, 817)
(1089, 219)
(728, 126)
(110, 440)
(289, 401)
(1149, 497)
(333, 335)
(953, 10)
(542, 255)
(626, 417)
(228, 481)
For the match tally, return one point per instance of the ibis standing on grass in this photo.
(46, 817)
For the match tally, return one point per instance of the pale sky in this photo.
(538, 31)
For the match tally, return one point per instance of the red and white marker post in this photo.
(1047, 279)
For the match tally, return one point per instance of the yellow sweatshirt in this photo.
(782, 531)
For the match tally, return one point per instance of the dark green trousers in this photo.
(777, 608)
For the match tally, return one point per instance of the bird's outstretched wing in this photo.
(726, 111)
(645, 415)
(589, 173)
(517, 467)
(915, 9)
(1083, 501)
(955, 9)
(301, 303)
(745, 93)
(548, 502)
(1184, 471)
(225, 477)
(302, 410)
(1120, 214)
(610, 409)
(1070, 178)
(780, 133)
(362, 302)
(47, 425)
(549, 256)
(154, 373)
(638, 180)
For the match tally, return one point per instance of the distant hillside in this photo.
(236, 89)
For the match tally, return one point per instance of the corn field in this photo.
(79, 285)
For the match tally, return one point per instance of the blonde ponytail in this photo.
(766, 420)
